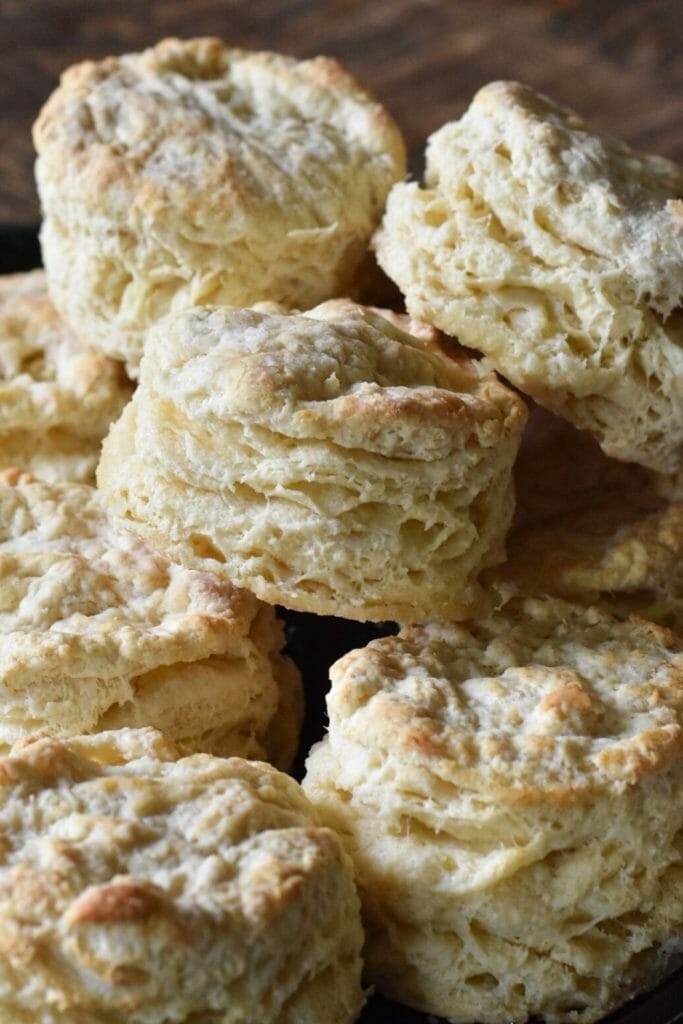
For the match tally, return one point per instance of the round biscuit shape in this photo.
(559, 254)
(510, 793)
(336, 466)
(195, 173)
(58, 395)
(142, 887)
(98, 631)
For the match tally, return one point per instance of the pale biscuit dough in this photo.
(559, 254)
(511, 792)
(591, 529)
(138, 887)
(194, 173)
(58, 395)
(98, 631)
(330, 465)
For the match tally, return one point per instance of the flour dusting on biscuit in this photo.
(328, 462)
(138, 885)
(99, 631)
(198, 173)
(559, 254)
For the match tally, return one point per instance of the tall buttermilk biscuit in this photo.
(195, 173)
(511, 794)
(58, 395)
(98, 631)
(333, 466)
(559, 254)
(140, 888)
(591, 529)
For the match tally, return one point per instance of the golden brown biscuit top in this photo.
(432, 339)
(220, 130)
(544, 702)
(80, 597)
(359, 382)
(541, 169)
(117, 830)
(48, 377)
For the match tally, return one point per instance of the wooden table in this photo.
(618, 61)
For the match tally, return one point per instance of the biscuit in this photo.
(58, 395)
(138, 887)
(591, 529)
(98, 631)
(561, 471)
(194, 173)
(333, 310)
(341, 309)
(511, 794)
(333, 466)
(53, 455)
(559, 254)
(627, 561)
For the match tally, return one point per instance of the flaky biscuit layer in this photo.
(195, 173)
(337, 466)
(558, 253)
(58, 394)
(510, 792)
(97, 630)
(140, 887)
(591, 529)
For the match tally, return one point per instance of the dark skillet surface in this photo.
(315, 642)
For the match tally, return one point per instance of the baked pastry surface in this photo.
(58, 395)
(337, 466)
(99, 631)
(138, 886)
(559, 254)
(590, 529)
(510, 792)
(195, 173)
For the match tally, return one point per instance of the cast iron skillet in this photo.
(315, 642)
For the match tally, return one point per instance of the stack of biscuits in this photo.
(492, 828)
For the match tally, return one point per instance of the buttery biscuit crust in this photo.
(98, 630)
(558, 253)
(525, 704)
(58, 395)
(334, 465)
(117, 849)
(510, 793)
(590, 529)
(197, 173)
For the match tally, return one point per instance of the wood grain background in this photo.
(618, 61)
